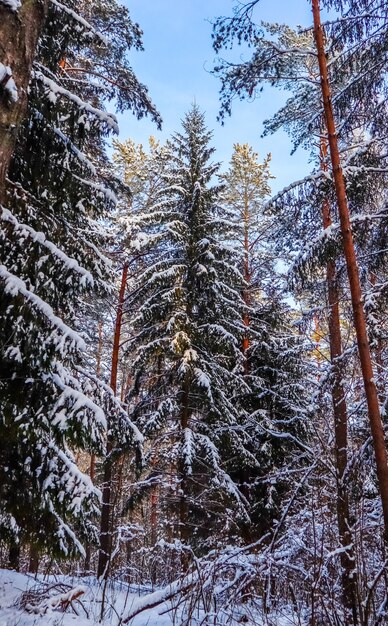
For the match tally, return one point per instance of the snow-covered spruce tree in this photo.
(280, 412)
(52, 254)
(187, 337)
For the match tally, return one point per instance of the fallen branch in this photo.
(152, 600)
(61, 601)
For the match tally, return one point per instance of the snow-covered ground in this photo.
(120, 599)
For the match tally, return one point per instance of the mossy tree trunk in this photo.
(19, 34)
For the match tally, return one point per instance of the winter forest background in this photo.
(193, 374)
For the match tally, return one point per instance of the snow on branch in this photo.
(115, 404)
(295, 185)
(56, 90)
(74, 150)
(98, 188)
(216, 582)
(26, 231)
(15, 286)
(7, 83)
(65, 530)
(156, 598)
(74, 483)
(62, 600)
(220, 332)
(79, 402)
(50, 596)
(78, 19)
(12, 5)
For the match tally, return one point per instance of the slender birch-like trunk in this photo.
(378, 352)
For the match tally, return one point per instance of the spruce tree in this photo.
(187, 335)
(52, 254)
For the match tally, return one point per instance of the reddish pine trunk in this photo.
(92, 468)
(353, 274)
(19, 33)
(106, 511)
(317, 339)
(348, 564)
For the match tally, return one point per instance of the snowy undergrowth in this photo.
(120, 600)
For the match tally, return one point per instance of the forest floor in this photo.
(28, 601)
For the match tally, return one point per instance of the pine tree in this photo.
(353, 270)
(246, 186)
(292, 61)
(52, 255)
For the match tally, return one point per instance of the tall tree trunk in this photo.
(92, 465)
(33, 563)
(19, 34)
(353, 274)
(378, 352)
(247, 278)
(14, 556)
(317, 339)
(154, 515)
(183, 487)
(155, 489)
(106, 510)
(348, 563)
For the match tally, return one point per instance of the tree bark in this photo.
(378, 352)
(33, 563)
(154, 515)
(106, 510)
(14, 556)
(353, 274)
(92, 465)
(19, 34)
(183, 499)
(348, 563)
(247, 278)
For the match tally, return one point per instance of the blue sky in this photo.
(176, 64)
